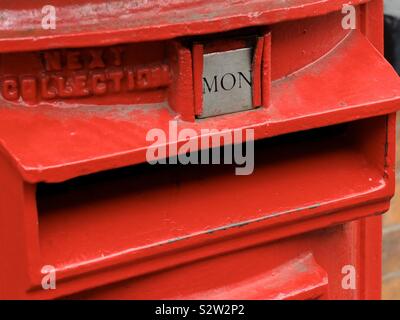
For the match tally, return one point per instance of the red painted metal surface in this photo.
(301, 278)
(76, 192)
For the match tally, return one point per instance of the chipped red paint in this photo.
(76, 192)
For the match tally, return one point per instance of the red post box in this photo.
(83, 214)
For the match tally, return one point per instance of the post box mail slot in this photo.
(147, 206)
(82, 205)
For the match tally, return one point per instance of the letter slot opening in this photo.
(141, 207)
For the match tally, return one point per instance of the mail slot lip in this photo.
(128, 264)
(159, 25)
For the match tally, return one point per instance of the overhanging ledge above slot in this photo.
(53, 144)
(114, 22)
